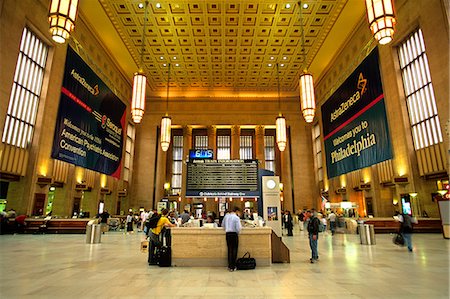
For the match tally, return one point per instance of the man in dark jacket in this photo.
(313, 232)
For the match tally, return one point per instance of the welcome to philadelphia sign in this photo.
(355, 128)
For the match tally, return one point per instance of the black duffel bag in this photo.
(246, 262)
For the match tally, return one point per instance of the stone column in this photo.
(160, 174)
(235, 142)
(187, 144)
(259, 135)
(212, 139)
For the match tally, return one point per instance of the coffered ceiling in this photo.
(223, 48)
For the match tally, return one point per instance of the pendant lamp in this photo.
(280, 123)
(307, 98)
(306, 83)
(381, 17)
(166, 121)
(139, 82)
(62, 15)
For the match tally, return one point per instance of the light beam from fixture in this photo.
(166, 121)
(306, 82)
(280, 123)
(139, 82)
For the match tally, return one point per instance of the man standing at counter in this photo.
(232, 225)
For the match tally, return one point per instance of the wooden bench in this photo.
(56, 226)
(389, 225)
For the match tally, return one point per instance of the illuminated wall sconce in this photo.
(365, 186)
(395, 202)
(205, 199)
(402, 180)
(179, 198)
(231, 199)
(413, 194)
(106, 191)
(43, 181)
(341, 190)
(122, 193)
(81, 187)
(216, 199)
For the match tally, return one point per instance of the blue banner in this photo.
(355, 128)
(91, 120)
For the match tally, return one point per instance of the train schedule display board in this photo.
(222, 178)
(355, 127)
(91, 119)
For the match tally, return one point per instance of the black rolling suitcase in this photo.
(164, 253)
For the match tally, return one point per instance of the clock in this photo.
(271, 184)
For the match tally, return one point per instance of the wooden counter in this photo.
(206, 247)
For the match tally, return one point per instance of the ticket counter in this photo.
(207, 247)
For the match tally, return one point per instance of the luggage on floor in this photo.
(398, 240)
(164, 253)
(246, 262)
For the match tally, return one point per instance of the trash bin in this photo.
(93, 233)
(367, 234)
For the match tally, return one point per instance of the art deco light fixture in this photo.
(62, 15)
(281, 121)
(306, 84)
(381, 17)
(166, 121)
(139, 82)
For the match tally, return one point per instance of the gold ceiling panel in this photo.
(223, 44)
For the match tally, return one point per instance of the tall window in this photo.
(246, 147)
(223, 147)
(177, 164)
(201, 142)
(26, 91)
(318, 151)
(419, 92)
(269, 152)
(129, 150)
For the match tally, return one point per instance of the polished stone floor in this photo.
(63, 266)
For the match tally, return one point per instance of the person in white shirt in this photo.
(232, 225)
(332, 218)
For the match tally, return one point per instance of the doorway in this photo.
(39, 202)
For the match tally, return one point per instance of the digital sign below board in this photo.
(222, 178)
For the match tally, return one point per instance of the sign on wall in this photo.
(91, 119)
(355, 128)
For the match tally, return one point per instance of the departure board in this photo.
(209, 177)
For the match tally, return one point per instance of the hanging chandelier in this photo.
(306, 83)
(139, 82)
(381, 17)
(62, 15)
(280, 121)
(166, 121)
(308, 102)
(138, 97)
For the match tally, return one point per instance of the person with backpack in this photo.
(406, 228)
(155, 224)
(313, 232)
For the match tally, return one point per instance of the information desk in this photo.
(207, 247)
